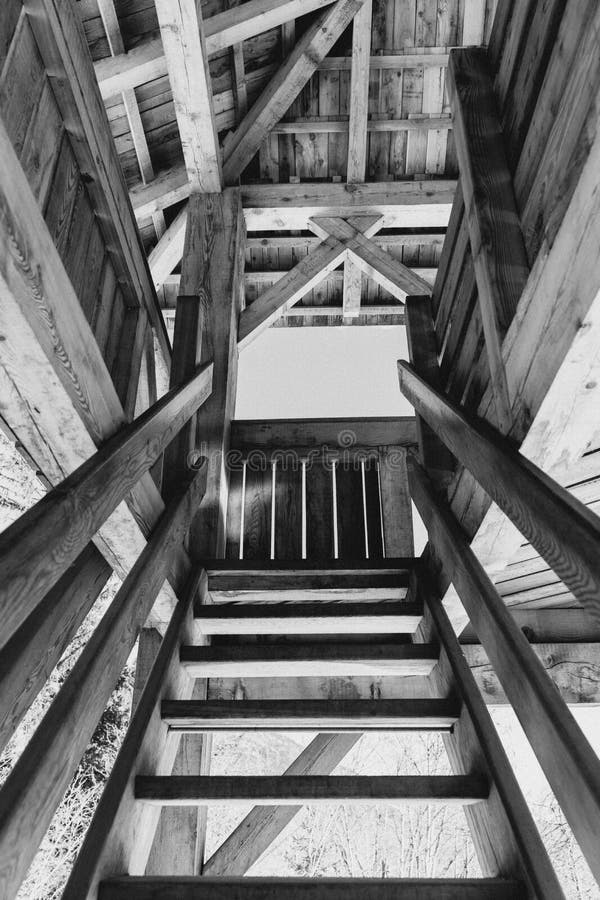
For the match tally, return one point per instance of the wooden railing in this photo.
(567, 536)
(46, 561)
(319, 490)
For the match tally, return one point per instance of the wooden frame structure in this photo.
(178, 177)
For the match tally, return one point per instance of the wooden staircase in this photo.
(378, 620)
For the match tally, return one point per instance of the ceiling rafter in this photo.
(241, 146)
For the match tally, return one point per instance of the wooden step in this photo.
(300, 580)
(309, 618)
(292, 790)
(306, 660)
(311, 715)
(207, 888)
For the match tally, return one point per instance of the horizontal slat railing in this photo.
(561, 528)
(46, 540)
(35, 786)
(567, 759)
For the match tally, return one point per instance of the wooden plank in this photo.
(396, 512)
(338, 433)
(167, 253)
(308, 618)
(373, 510)
(63, 48)
(44, 541)
(559, 526)
(234, 512)
(506, 838)
(187, 63)
(120, 834)
(309, 889)
(310, 789)
(285, 660)
(335, 716)
(285, 86)
(568, 761)
(36, 784)
(295, 284)
(422, 348)
(288, 511)
(497, 245)
(350, 512)
(319, 510)
(31, 655)
(224, 29)
(257, 514)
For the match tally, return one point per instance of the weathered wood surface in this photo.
(62, 46)
(28, 659)
(560, 527)
(44, 541)
(310, 789)
(340, 433)
(311, 715)
(36, 784)
(565, 755)
(497, 246)
(120, 835)
(285, 660)
(505, 836)
(307, 889)
(285, 86)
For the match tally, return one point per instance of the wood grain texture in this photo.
(319, 512)
(43, 542)
(338, 433)
(568, 761)
(37, 782)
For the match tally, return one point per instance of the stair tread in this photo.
(311, 715)
(309, 659)
(310, 789)
(200, 887)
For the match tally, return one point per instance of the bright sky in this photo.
(322, 372)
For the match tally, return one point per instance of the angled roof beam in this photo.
(285, 87)
(289, 289)
(169, 249)
(187, 63)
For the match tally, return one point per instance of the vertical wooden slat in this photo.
(234, 513)
(396, 507)
(373, 510)
(288, 512)
(257, 515)
(350, 512)
(319, 512)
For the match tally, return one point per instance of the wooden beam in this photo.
(285, 87)
(30, 656)
(187, 62)
(36, 784)
(318, 125)
(569, 763)
(504, 833)
(37, 548)
(561, 528)
(309, 272)
(282, 434)
(497, 246)
(335, 716)
(65, 53)
(357, 137)
(232, 26)
(272, 207)
(311, 889)
(120, 835)
(146, 62)
(308, 618)
(328, 660)
(167, 253)
(298, 790)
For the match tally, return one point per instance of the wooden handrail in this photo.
(43, 542)
(563, 531)
(569, 762)
(36, 785)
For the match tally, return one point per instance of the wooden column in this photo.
(212, 283)
(497, 245)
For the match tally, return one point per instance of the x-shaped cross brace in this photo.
(345, 241)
